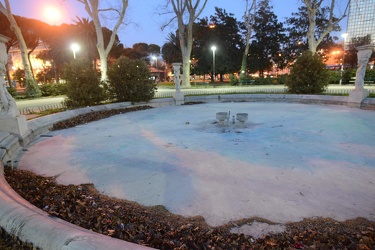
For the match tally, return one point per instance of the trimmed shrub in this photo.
(129, 80)
(263, 81)
(233, 80)
(32, 89)
(53, 89)
(347, 76)
(82, 84)
(333, 77)
(281, 79)
(308, 75)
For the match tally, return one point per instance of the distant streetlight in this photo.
(156, 61)
(75, 48)
(213, 63)
(345, 35)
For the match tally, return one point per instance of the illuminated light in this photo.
(52, 14)
(75, 48)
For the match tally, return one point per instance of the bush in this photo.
(308, 75)
(333, 77)
(82, 84)
(129, 80)
(32, 89)
(347, 76)
(12, 91)
(53, 89)
(263, 81)
(281, 79)
(370, 76)
(233, 80)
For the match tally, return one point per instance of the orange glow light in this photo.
(52, 14)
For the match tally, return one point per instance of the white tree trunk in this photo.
(312, 7)
(22, 44)
(92, 9)
(189, 10)
(249, 22)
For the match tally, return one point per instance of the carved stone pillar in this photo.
(10, 119)
(357, 95)
(178, 95)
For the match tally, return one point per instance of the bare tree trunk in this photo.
(312, 7)
(22, 44)
(183, 8)
(249, 21)
(92, 8)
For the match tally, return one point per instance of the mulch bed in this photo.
(155, 227)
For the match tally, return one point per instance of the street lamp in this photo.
(75, 48)
(345, 35)
(156, 61)
(213, 48)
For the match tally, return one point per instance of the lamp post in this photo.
(156, 61)
(345, 35)
(75, 48)
(213, 48)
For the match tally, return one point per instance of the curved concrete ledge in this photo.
(30, 224)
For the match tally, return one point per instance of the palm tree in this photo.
(86, 34)
(171, 50)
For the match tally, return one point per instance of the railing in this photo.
(206, 91)
(240, 90)
(38, 109)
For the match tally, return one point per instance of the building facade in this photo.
(361, 19)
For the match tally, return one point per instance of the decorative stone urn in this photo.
(222, 117)
(242, 118)
(359, 93)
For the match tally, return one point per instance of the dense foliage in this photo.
(308, 75)
(265, 48)
(83, 84)
(129, 81)
(224, 34)
(32, 89)
(53, 89)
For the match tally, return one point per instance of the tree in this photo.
(351, 52)
(249, 19)
(83, 85)
(86, 34)
(187, 11)
(129, 81)
(266, 40)
(297, 28)
(153, 49)
(315, 36)
(308, 75)
(6, 10)
(141, 51)
(6, 31)
(224, 33)
(171, 50)
(93, 10)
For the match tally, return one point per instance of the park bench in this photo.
(246, 82)
(367, 80)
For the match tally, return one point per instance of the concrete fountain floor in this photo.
(290, 162)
